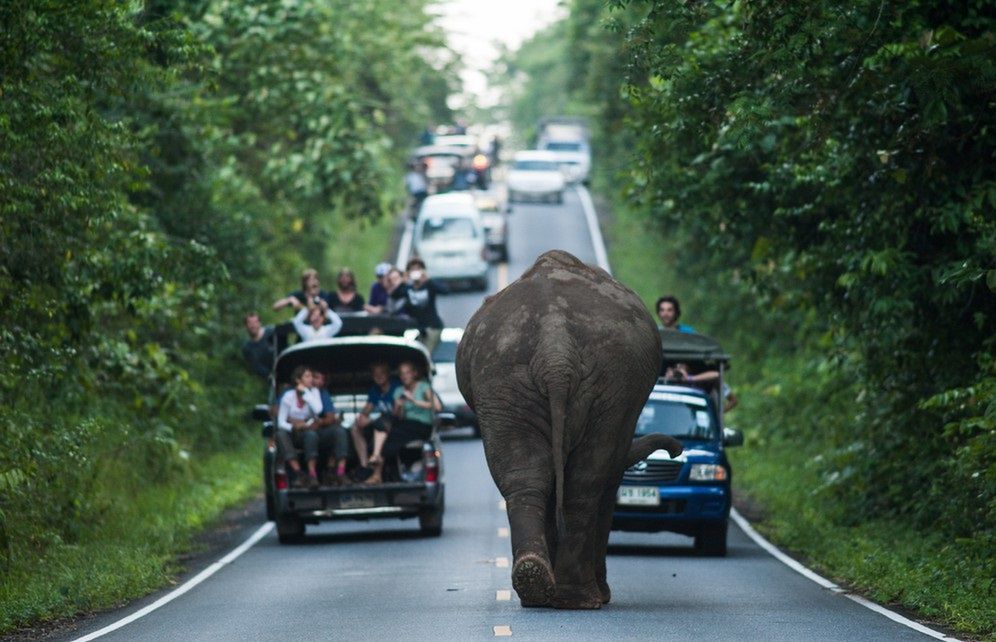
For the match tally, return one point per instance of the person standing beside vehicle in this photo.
(411, 418)
(669, 311)
(297, 418)
(316, 328)
(421, 306)
(258, 349)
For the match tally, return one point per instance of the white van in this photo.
(449, 237)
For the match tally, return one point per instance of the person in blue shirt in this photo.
(332, 438)
(669, 311)
(380, 399)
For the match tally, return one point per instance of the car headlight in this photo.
(707, 472)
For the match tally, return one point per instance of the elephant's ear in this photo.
(649, 443)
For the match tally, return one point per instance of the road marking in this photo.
(502, 532)
(503, 631)
(501, 562)
(503, 595)
(502, 505)
(405, 246)
(829, 585)
(597, 242)
(260, 533)
(502, 276)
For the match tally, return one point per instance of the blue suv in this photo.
(689, 494)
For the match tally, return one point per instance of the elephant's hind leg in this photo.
(524, 475)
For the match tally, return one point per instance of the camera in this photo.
(316, 300)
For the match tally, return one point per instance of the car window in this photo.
(681, 416)
(445, 352)
(448, 228)
(535, 166)
(563, 147)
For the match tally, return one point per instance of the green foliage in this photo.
(164, 166)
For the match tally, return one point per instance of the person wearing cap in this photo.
(377, 300)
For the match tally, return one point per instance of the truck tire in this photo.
(560, 198)
(430, 521)
(290, 530)
(711, 541)
(271, 507)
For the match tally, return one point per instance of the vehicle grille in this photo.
(653, 471)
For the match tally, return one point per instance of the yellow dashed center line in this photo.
(503, 532)
(502, 276)
(503, 595)
(501, 562)
(502, 505)
(503, 631)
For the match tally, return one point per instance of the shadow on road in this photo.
(669, 551)
(357, 537)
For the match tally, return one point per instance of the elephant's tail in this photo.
(558, 412)
(649, 443)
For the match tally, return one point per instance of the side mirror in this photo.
(261, 412)
(732, 437)
(268, 429)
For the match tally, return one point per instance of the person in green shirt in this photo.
(414, 404)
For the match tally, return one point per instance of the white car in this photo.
(573, 156)
(449, 237)
(456, 413)
(535, 175)
(495, 227)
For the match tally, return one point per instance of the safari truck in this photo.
(688, 494)
(413, 484)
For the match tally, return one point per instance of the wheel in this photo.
(560, 198)
(430, 521)
(503, 254)
(711, 541)
(481, 284)
(289, 530)
(271, 507)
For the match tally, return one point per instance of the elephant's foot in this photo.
(604, 591)
(577, 596)
(532, 579)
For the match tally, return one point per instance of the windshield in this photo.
(443, 229)
(564, 147)
(536, 166)
(681, 416)
(445, 352)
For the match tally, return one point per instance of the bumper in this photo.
(359, 501)
(476, 270)
(682, 509)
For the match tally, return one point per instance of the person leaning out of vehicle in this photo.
(421, 306)
(311, 293)
(411, 418)
(309, 323)
(333, 441)
(705, 380)
(669, 311)
(297, 427)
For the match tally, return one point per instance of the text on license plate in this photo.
(638, 496)
(356, 501)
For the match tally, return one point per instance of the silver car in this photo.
(456, 413)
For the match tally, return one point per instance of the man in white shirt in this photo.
(315, 327)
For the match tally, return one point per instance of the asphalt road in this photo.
(381, 580)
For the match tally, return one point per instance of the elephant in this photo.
(558, 366)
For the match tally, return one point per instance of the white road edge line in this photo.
(597, 242)
(405, 246)
(260, 533)
(829, 585)
(602, 259)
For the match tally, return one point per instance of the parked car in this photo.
(573, 157)
(535, 175)
(449, 237)
(413, 485)
(689, 494)
(495, 222)
(456, 413)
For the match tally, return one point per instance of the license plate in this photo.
(638, 496)
(356, 501)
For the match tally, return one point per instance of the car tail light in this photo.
(431, 465)
(280, 479)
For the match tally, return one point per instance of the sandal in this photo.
(374, 460)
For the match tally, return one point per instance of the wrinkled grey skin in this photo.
(558, 366)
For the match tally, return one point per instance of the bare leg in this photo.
(359, 441)
(380, 436)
